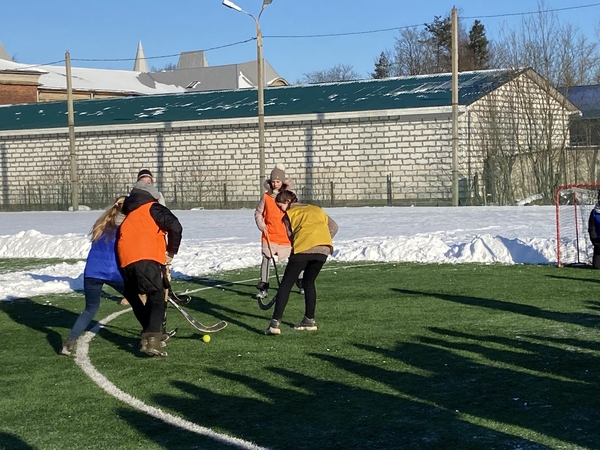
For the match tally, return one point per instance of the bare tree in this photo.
(339, 72)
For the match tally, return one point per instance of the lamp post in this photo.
(261, 88)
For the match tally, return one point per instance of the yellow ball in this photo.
(206, 338)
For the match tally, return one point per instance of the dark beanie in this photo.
(144, 173)
(278, 173)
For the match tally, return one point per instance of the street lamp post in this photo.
(261, 87)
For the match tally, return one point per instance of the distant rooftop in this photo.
(369, 95)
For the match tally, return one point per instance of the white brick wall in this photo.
(356, 154)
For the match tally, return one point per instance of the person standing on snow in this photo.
(149, 238)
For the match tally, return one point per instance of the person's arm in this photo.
(333, 227)
(258, 214)
(169, 223)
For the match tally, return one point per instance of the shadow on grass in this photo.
(41, 317)
(166, 436)
(584, 319)
(545, 387)
(9, 441)
(308, 413)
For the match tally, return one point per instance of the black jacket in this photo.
(164, 218)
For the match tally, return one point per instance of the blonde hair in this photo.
(107, 222)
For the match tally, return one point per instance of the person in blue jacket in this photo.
(100, 268)
(594, 232)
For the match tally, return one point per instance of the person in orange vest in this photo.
(149, 238)
(311, 232)
(268, 219)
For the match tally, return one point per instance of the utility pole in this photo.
(71, 121)
(454, 107)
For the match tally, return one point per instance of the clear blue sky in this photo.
(41, 31)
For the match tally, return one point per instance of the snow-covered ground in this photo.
(217, 240)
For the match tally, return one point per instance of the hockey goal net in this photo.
(574, 203)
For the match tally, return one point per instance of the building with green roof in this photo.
(365, 142)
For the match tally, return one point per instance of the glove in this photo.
(169, 259)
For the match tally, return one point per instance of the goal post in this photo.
(574, 203)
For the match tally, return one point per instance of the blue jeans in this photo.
(92, 289)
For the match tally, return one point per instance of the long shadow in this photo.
(586, 280)
(9, 441)
(527, 385)
(45, 318)
(584, 319)
(163, 434)
(313, 411)
(41, 317)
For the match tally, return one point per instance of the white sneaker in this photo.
(273, 327)
(306, 325)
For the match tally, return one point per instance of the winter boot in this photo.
(273, 327)
(306, 325)
(263, 290)
(68, 347)
(154, 345)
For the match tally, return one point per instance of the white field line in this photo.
(229, 283)
(82, 359)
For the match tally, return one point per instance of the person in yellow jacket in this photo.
(311, 232)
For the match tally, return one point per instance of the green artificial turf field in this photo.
(407, 356)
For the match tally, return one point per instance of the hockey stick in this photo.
(266, 306)
(197, 325)
(273, 258)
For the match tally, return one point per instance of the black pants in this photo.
(146, 277)
(596, 257)
(311, 264)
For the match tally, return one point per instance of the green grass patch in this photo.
(407, 356)
(8, 265)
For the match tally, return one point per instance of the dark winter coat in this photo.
(162, 216)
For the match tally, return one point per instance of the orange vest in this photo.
(274, 221)
(140, 238)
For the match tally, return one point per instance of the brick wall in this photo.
(335, 160)
(15, 93)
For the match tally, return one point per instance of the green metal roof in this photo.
(391, 93)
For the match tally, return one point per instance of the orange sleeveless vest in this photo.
(140, 238)
(273, 219)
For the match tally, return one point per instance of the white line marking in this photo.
(82, 359)
(229, 283)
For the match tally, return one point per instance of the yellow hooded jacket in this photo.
(309, 227)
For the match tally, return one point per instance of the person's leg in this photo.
(295, 265)
(131, 293)
(155, 289)
(263, 284)
(596, 257)
(312, 270)
(92, 289)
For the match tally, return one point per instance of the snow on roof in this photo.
(54, 77)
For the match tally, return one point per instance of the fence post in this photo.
(389, 190)
(331, 192)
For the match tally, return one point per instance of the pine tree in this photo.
(383, 67)
(479, 46)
